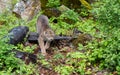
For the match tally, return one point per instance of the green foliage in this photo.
(9, 64)
(81, 66)
(26, 69)
(14, 2)
(80, 47)
(108, 12)
(84, 12)
(58, 56)
(102, 51)
(65, 22)
(76, 55)
(8, 20)
(87, 26)
(118, 69)
(61, 27)
(75, 61)
(7, 60)
(105, 48)
(64, 69)
(70, 14)
(32, 23)
(78, 61)
(44, 62)
(53, 3)
(29, 49)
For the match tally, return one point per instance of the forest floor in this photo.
(46, 65)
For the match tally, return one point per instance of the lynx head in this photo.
(49, 34)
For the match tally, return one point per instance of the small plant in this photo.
(58, 56)
(25, 69)
(80, 47)
(70, 14)
(76, 55)
(53, 3)
(29, 49)
(64, 69)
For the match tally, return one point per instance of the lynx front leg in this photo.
(42, 46)
(47, 45)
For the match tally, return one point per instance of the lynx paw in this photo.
(44, 54)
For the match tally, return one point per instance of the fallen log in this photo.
(33, 36)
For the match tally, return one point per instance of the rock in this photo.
(20, 55)
(16, 35)
(27, 9)
(52, 12)
(72, 4)
(55, 12)
(82, 39)
(63, 8)
(32, 37)
(32, 58)
(23, 55)
(19, 8)
(5, 5)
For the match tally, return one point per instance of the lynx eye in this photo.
(46, 32)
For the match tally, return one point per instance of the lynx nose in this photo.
(50, 38)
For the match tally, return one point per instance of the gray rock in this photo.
(27, 9)
(16, 35)
(5, 5)
(32, 37)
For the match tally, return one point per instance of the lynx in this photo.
(45, 33)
